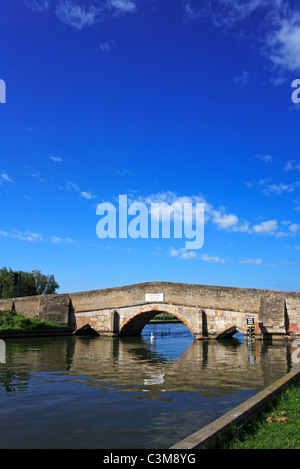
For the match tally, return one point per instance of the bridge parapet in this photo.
(202, 296)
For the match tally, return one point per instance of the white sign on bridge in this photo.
(154, 297)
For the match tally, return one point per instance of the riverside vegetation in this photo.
(164, 317)
(10, 320)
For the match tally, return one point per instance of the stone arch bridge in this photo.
(208, 311)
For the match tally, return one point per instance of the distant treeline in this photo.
(16, 283)
(165, 317)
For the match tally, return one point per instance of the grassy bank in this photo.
(10, 320)
(277, 427)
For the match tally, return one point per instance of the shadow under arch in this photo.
(134, 325)
(230, 332)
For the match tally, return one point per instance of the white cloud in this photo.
(5, 178)
(251, 261)
(191, 13)
(122, 172)
(71, 186)
(240, 9)
(280, 188)
(219, 218)
(225, 221)
(242, 79)
(38, 5)
(34, 237)
(284, 42)
(278, 32)
(261, 182)
(171, 198)
(79, 16)
(123, 6)
(294, 228)
(215, 259)
(87, 195)
(27, 236)
(76, 16)
(266, 227)
(223, 12)
(275, 188)
(107, 46)
(265, 158)
(291, 165)
(33, 173)
(230, 12)
(57, 240)
(229, 222)
(56, 159)
(183, 253)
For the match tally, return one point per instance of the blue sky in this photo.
(170, 100)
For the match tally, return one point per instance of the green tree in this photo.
(45, 284)
(31, 283)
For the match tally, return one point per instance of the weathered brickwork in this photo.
(208, 311)
(54, 308)
(28, 306)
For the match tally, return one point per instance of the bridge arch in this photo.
(141, 316)
(230, 331)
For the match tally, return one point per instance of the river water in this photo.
(130, 392)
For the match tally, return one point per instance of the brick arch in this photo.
(141, 316)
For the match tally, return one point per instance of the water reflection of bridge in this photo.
(135, 365)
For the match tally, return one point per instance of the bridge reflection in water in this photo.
(133, 392)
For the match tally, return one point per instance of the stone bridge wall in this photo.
(208, 311)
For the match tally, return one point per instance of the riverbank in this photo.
(277, 427)
(247, 415)
(15, 325)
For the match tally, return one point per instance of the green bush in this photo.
(164, 317)
(10, 320)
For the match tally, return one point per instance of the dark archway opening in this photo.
(230, 333)
(135, 326)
